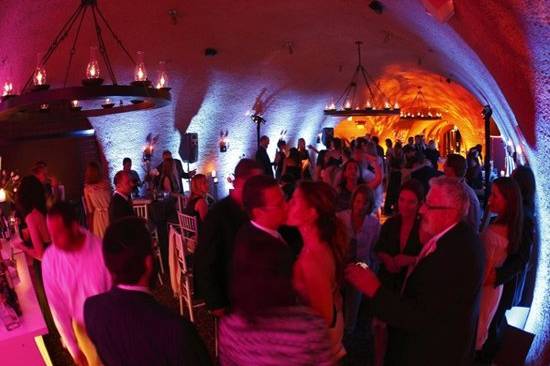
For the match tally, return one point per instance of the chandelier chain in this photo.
(61, 35)
(115, 36)
(103, 48)
(73, 48)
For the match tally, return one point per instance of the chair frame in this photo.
(142, 210)
(186, 277)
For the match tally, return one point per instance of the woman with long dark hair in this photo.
(363, 229)
(351, 178)
(292, 165)
(319, 269)
(501, 239)
(397, 248)
(31, 207)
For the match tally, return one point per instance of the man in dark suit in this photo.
(263, 261)
(214, 251)
(262, 158)
(177, 168)
(126, 324)
(437, 310)
(121, 203)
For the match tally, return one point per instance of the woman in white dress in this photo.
(500, 239)
(318, 271)
(97, 195)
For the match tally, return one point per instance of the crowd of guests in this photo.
(288, 260)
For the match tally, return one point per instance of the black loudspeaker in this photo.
(327, 136)
(189, 148)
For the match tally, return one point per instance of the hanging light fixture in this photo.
(39, 76)
(92, 69)
(92, 98)
(162, 80)
(419, 109)
(374, 103)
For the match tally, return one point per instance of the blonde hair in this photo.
(195, 181)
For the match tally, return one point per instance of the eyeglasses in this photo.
(431, 207)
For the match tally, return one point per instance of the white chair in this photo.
(142, 210)
(188, 224)
(186, 277)
(182, 201)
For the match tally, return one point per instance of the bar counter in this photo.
(24, 345)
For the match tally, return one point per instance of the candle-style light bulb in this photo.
(39, 77)
(92, 69)
(140, 73)
(162, 81)
(7, 89)
(74, 103)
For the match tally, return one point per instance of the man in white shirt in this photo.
(73, 270)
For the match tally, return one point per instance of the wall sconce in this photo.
(224, 141)
(214, 177)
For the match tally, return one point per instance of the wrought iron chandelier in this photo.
(420, 109)
(92, 98)
(350, 103)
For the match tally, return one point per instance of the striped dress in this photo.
(283, 336)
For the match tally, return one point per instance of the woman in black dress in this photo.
(397, 248)
(292, 165)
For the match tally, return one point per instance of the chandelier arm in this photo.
(422, 100)
(344, 94)
(366, 79)
(103, 48)
(73, 48)
(115, 36)
(61, 35)
(414, 101)
(353, 93)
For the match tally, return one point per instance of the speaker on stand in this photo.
(189, 150)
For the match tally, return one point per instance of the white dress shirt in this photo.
(70, 277)
(273, 233)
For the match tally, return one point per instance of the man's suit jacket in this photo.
(212, 258)
(131, 328)
(436, 316)
(261, 271)
(119, 207)
(263, 159)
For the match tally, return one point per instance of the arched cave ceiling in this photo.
(496, 50)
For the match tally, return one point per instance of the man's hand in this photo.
(218, 313)
(363, 279)
(80, 359)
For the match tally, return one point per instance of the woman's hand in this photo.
(363, 279)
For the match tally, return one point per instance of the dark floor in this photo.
(359, 350)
